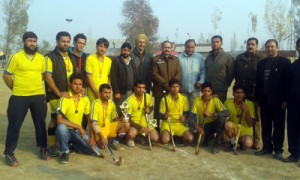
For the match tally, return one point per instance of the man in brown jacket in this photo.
(164, 68)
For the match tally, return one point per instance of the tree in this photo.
(233, 42)
(216, 17)
(16, 20)
(139, 18)
(45, 47)
(202, 39)
(296, 15)
(253, 19)
(278, 20)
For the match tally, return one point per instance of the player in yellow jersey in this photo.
(240, 109)
(97, 69)
(137, 111)
(104, 120)
(59, 67)
(24, 76)
(178, 108)
(69, 119)
(209, 108)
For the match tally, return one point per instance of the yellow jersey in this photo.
(27, 73)
(103, 115)
(74, 109)
(212, 106)
(175, 108)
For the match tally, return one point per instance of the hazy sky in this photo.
(100, 18)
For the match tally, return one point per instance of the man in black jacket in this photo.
(293, 117)
(59, 67)
(271, 96)
(245, 66)
(123, 76)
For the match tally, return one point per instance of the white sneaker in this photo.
(130, 143)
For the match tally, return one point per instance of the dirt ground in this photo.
(140, 163)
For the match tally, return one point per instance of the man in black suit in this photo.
(271, 96)
(293, 115)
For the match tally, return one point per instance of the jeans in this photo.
(16, 112)
(65, 136)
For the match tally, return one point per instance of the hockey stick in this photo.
(98, 154)
(238, 134)
(147, 119)
(173, 143)
(199, 137)
(118, 161)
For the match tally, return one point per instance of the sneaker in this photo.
(116, 145)
(64, 158)
(278, 156)
(130, 143)
(215, 149)
(291, 158)
(44, 154)
(11, 160)
(263, 152)
(53, 152)
(229, 147)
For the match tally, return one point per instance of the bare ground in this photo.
(140, 163)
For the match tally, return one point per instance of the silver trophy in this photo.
(124, 108)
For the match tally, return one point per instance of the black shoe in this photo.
(229, 147)
(44, 154)
(11, 160)
(53, 152)
(64, 158)
(291, 158)
(215, 149)
(263, 152)
(278, 156)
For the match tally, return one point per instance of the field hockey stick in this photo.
(98, 154)
(199, 137)
(169, 123)
(147, 119)
(118, 161)
(238, 134)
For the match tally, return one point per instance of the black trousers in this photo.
(156, 110)
(272, 127)
(215, 127)
(16, 112)
(293, 128)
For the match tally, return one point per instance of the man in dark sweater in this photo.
(293, 117)
(271, 96)
(123, 76)
(219, 68)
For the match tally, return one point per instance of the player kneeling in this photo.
(241, 115)
(105, 121)
(140, 105)
(174, 108)
(69, 118)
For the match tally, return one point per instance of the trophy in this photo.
(124, 108)
(153, 122)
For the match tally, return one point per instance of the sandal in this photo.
(11, 160)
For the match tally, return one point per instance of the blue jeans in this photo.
(65, 136)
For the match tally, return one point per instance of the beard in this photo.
(30, 51)
(124, 55)
(63, 49)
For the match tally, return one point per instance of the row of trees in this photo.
(281, 22)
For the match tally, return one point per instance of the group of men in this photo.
(79, 87)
